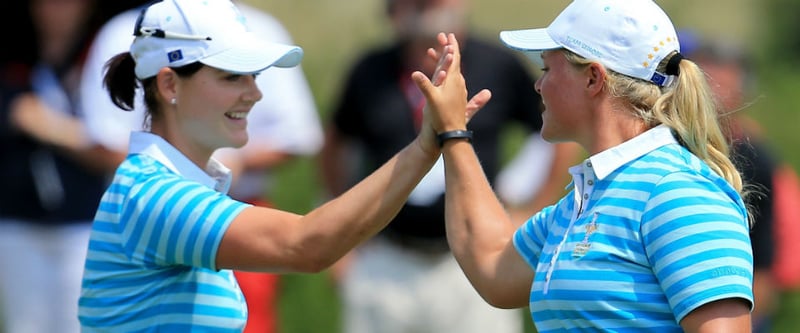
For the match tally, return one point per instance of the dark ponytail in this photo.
(120, 80)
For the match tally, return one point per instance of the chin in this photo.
(237, 142)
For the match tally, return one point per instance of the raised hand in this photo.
(446, 92)
(478, 100)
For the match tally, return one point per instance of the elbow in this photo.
(311, 260)
(499, 301)
(312, 265)
(501, 298)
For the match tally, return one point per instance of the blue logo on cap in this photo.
(175, 55)
(658, 79)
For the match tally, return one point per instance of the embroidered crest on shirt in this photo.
(583, 247)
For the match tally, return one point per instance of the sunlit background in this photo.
(334, 33)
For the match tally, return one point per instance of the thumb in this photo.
(423, 83)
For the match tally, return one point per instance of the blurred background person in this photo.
(282, 126)
(731, 76)
(406, 280)
(52, 175)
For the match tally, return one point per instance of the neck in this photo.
(615, 127)
(198, 154)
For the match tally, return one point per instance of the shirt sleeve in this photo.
(169, 220)
(696, 238)
(530, 238)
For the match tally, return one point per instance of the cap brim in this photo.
(251, 55)
(530, 41)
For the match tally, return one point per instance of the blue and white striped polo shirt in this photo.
(648, 234)
(151, 260)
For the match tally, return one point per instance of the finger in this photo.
(433, 54)
(477, 102)
(452, 42)
(442, 38)
(440, 73)
(422, 82)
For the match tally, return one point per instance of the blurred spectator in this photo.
(406, 280)
(283, 125)
(52, 175)
(731, 76)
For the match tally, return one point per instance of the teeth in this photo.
(237, 115)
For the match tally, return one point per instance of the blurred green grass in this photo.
(333, 33)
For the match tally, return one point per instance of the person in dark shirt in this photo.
(406, 279)
(52, 175)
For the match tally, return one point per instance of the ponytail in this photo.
(688, 107)
(120, 80)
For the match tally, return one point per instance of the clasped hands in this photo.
(446, 108)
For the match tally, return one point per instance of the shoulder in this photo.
(674, 173)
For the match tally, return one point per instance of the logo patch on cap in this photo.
(175, 55)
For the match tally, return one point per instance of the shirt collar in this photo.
(605, 162)
(215, 176)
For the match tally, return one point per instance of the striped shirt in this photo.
(151, 260)
(648, 234)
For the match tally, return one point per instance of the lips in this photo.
(236, 115)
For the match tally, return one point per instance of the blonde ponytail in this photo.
(687, 106)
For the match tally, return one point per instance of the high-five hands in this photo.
(447, 107)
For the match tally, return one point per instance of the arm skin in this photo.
(263, 239)
(479, 230)
(64, 132)
(731, 315)
(273, 240)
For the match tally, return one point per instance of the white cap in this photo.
(174, 33)
(630, 37)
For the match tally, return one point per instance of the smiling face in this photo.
(561, 85)
(210, 111)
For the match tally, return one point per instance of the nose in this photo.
(253, 93)
(538, 85)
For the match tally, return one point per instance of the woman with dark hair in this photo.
(166, 236)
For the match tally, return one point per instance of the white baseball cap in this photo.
(630, 37)
(173, 33)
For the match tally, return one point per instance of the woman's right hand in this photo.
(447, 108)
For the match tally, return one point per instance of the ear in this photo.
(596, 76)
(167, 82)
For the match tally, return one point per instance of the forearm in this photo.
(366, 208)
(478, 227)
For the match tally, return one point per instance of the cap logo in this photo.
(658, 79)
(583, 46)
(175, 56)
